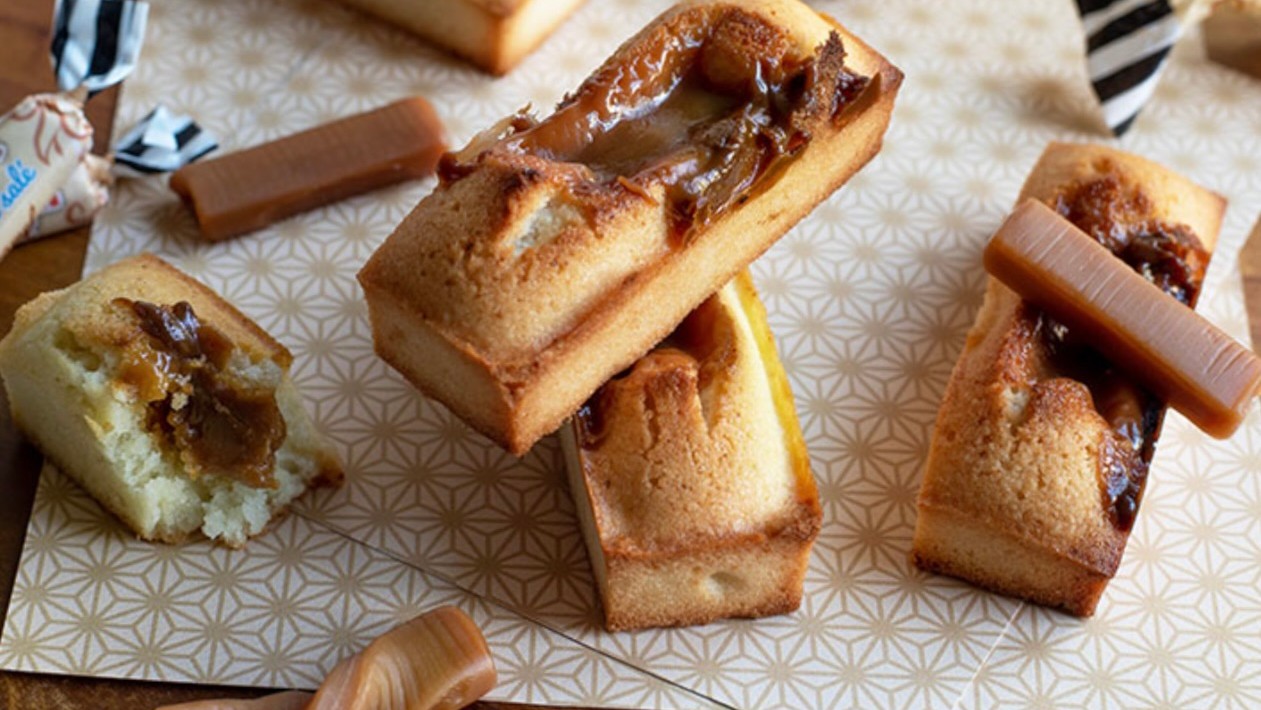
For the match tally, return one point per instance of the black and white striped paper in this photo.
(160, 143)
(96, 42)
(1127, 44)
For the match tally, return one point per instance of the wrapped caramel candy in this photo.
(41, 141)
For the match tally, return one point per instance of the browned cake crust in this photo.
(493, 34)
(83, 377)
(537, 270)
(1032, 482)
(691, 476)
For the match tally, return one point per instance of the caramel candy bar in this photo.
(41, 141)
(437, 661)
(253, 188)
(1172, 350)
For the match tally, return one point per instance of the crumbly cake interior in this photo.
(177, 418)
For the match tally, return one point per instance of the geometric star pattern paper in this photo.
(870, 298)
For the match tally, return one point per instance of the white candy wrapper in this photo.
(42, 139)
(77, 202)
(95, 44)
(1127, 46)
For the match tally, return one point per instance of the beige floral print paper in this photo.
(869, 298)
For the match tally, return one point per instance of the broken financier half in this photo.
(173, 409)
(691, 478)
(555, 253)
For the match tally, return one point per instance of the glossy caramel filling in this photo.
(704, 114)
(218, 423)
(1169, 256)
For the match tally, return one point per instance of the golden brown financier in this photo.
(691, 478)
(1041, 449)
(555, 253)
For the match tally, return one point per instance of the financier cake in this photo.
(1040, 454)
(555, 252)
(493, 34)
(174, 410)
(691, 478)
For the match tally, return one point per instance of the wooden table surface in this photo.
(57, 261)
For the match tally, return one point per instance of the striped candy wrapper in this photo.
(160, 143)
(1127, 45)
(96, 43)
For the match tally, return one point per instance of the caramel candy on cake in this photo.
(252, 188)
(1169, 348)
(493, 34)
(691, 477)
(1040, 453)
(555, 253)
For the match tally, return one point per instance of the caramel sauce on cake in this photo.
(1169, 256)
(555, 251)
(695, 115)
(218, 422)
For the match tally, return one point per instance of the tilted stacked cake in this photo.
(556, 253)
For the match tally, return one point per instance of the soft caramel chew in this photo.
(437, 661)
(493, 34)
(1172, 350)
(554, 253)
(1040, 452)
(174, 410)
(691, 477)
(252, 188)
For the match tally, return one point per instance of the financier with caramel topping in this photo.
(1041, 449)
(555, 252)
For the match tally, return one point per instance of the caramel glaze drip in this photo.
(1171, 257)
(219, 423)
(694, 113)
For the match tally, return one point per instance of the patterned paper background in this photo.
(869, 297)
